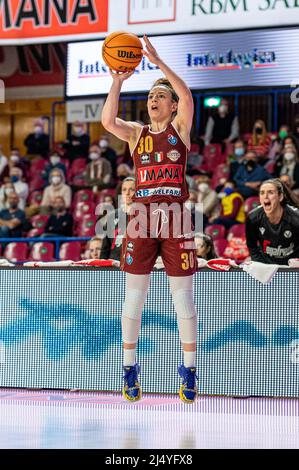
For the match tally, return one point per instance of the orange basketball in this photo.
(122, 51)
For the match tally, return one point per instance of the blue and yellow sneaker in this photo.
(131, 390)
(188, 390)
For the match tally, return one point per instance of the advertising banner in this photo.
(84, 111)
(37, 21)
(260, 58)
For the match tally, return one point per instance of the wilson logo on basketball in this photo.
(160, 174)
(128, 55)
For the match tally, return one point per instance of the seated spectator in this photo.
(207, 197)
(98, 171)
(250, 175)
(21, 187)
(278, 143)
(272, 229)
(37, 142)
(60, 222)
(123, 171)
(108, 153)
(290, 166)
(3, 164)
(12, 220)
(237, 157)
(6, 189)
(111, 248)
(54, 162)
(222, 127)
(94, 248)
(260, 141)
(57, 187)
(77, 144)
(232, 207)
(289, 183)
(16, 159)
(204, 246)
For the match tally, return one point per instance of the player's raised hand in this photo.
(120, 77)
(150, 52)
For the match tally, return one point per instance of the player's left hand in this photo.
(150, 51)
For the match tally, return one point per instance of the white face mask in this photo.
(289, 157)
(38, 130)
(203, 187)
(56, 180)
(14, 158)
(54, 160)
(94, 156)
(103, 143)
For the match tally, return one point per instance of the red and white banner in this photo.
(35, 71)
(38, 21)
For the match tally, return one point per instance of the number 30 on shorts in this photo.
(187, 260)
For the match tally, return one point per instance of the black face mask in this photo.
(250, 165)
(259, 130)
(122, 177)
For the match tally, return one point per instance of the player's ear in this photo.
(174, 106)
(281, 196)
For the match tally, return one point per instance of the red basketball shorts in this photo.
(159, 230)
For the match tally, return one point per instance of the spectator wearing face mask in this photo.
(250, 175)
(232, 207)
(12, 219)
(54, 162)
(57, 187)
(260, 141)
(207, 197)
(16, 159)
(223, 127)
(98, 171)
(290, 166)
(60, 222)
(37, 142)
(20, 187)
(278, 143)
(237, 157)
(108, 153)
(3, 164)
(77, 144)
(6, 189)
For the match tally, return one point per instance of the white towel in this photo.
(263, 273)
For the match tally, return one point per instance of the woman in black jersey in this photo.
(272, 229)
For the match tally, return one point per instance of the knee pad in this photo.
(184, 304)
(133, 304)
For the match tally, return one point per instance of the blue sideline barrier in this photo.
(60, 329)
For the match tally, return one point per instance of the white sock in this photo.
(189, 358)
(129, 357)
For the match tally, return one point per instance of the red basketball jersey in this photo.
(160, 160)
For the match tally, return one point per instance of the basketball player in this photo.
(159, 151)
(272, 229)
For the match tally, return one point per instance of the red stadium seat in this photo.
(219, 245)
(35, 232)
(83, 208)
(70, 250)
(237, 230)
(251, 203)
(35, 198)
(270, 166)
(215, 231)
(77, 168)
(16, 251)
(37, 166)
(42, 251)
(39, 221)
(83, 195)
(212, 156)
(86, 226)
(37, 182)
(221, 171)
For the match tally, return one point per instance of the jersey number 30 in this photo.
(188, 260)
(145, 145)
